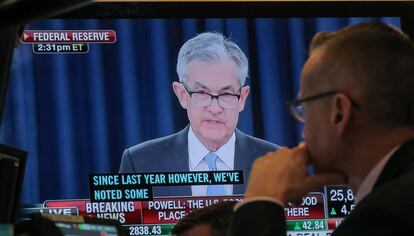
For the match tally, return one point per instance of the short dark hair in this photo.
(376, 61)
(217, 216)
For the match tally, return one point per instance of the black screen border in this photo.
(242, 9)
(248, 9)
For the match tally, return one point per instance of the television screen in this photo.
(84, 92)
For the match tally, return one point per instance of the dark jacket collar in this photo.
(400, 162)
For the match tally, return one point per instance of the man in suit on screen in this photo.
(212, 71)
(357, 104)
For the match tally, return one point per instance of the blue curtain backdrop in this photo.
(75, 114)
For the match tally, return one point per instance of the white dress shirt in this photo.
(197, 151)
(368, 183)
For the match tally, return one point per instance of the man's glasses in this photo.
(297, 107)
(203, 99)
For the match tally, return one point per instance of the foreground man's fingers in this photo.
(283, 175)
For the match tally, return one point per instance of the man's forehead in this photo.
(203, 85)
(220, 75)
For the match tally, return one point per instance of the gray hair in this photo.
(211, 47)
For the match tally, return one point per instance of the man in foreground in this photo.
(357, 103)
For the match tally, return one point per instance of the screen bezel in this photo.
(245, 9)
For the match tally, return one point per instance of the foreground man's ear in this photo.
(341, 113)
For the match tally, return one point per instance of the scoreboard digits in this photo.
(340, 201)
(135, 230)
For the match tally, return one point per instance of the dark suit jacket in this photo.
(170, 154)
(387, 210)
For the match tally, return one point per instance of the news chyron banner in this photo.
(156, 217)
(65, 41)
(137, 187)
(128, 199)
(318, 214)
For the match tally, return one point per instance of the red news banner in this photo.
(311, 207)
(64, 36)
(157, 211)
(65, 41)
(171, 210)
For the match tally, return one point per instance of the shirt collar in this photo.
(197, 151)
(367, 185)
(226, 152)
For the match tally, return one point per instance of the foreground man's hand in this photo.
(283, 175)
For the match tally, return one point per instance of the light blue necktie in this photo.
(213, 190)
